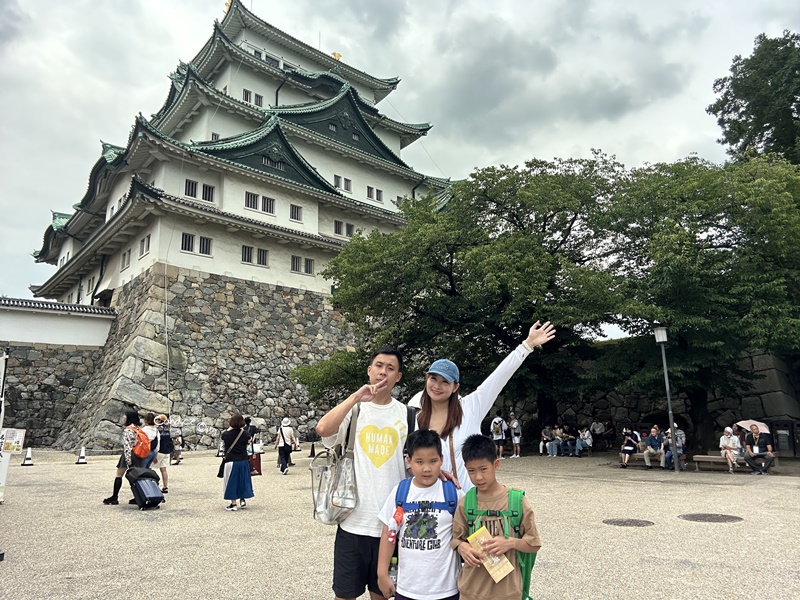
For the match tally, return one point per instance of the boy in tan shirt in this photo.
(475, 583)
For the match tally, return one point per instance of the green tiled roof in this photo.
(60, 220)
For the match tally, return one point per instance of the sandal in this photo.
(164, 490)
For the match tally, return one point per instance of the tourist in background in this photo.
(544, 444)
(128, 459)
(236, 481)
(516, 433)
(730, 448)
(165, 448)
(152, 433)
(284, 442)
(584, 440)
(630, 445)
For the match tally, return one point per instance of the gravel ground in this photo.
(60, 541)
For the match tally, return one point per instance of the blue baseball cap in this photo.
(445, 368)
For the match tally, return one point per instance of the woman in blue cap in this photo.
(455, 418)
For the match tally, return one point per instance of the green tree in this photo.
(758, 107)
(712, 252)
(464, 281)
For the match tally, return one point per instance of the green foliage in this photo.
(758, 107)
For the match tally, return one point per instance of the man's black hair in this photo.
(390, 351)
(498, 413)
(423, 438)
(478, 447)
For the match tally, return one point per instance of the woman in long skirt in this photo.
(236, 482)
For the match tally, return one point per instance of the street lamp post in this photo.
(661, 340)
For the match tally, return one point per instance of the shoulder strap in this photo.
(351, 429)
(515, 508)
(471, 509)
(401, 495)
(453, 466)
(450, 496)
(412, 418)
(241, 431)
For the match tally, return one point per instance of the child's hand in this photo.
(386, 584)
(471, 557)
(499, 545)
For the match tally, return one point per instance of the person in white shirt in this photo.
(584, 440)
(516, 433)
(456, 418)
(381, 432)
(730, 447)
(498, 429)
(596, 429)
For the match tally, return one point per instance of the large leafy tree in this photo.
(712, 252)
(758, 107)
(467, 275)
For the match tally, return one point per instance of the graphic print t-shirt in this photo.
(381, 433)
(427, 566)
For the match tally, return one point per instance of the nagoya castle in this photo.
(201, 238)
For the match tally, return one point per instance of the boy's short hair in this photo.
(423, 438)
(478, 447)
(391, 351)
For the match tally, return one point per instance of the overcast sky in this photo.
(502, 82)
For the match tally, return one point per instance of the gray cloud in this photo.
(12, 22)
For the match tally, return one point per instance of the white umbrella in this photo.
(762, 427)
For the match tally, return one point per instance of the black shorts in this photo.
(355, 564)
(500, 442)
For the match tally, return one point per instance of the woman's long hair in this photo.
(454, 412)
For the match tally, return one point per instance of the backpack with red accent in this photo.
(142, 446)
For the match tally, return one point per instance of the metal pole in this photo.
(674, 444)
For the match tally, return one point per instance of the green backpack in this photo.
(511, 520)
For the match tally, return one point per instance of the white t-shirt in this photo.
(152, 433)
(476, 406)
(381, 433)
(427, 568)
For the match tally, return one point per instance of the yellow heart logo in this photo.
(378, 444)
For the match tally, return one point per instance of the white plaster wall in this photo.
(226, 256)
(26, 326)
(390, 138)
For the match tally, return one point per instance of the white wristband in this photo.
(526, 346)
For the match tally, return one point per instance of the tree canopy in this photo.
(758, 107)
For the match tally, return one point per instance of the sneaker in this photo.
(132, 501)
(242, 504)
(755, 472)
(231, 507)
(164, 491)
(285, 471)
(730, 470)
(648, 467)
(766, 473)
(110, 500)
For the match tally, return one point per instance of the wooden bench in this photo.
(638, 458)
(717, 459)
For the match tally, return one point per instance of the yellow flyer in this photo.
(498, 566)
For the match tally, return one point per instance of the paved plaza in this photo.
(60, 541)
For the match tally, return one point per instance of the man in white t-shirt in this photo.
(498, 429)
(381, 431)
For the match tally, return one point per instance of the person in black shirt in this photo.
(758, 447)
(237, 483)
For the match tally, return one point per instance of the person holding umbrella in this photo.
(758, 446)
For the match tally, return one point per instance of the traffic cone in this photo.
(82, 457)
(313, 452)
(221, 449)
(28, 462)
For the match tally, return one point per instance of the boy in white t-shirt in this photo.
(420, 521)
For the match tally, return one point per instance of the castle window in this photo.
(144, 246)
(356, 137)
(302, 265)
(259, 100)
(208, 192)
(268, 205)
(126, 260)
(308, 266)
(332, 126)
(275, 164)
(348, 185)
(214, 136)
(257, 53)
(251, 200)
(379, 195)
(205, 246)
(187, 242)
(247, 95)
(296, 212)
(247, 254)
(349, 230)
(370, 193)
(262, 257)
(297, 263)
(338, 228)
(190, 189)
(337, 182)
(69, 299)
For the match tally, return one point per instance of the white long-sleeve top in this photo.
(476, 406)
